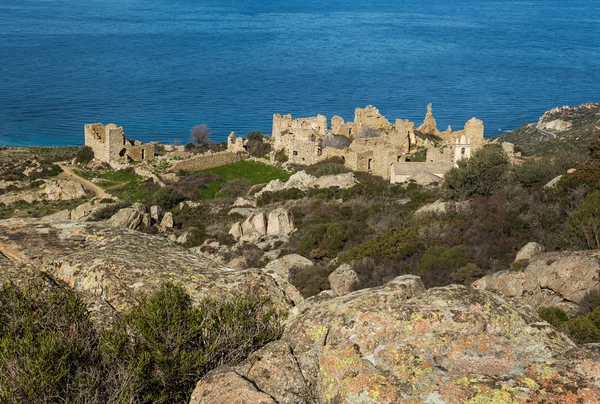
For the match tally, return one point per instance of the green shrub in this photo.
(258, 148)
(255, 135)
(393, 244)
(54, 171)
(591, 300)
(173, 343)
(48, 346)
(84, 155)
(167, 198)
(236, 187)
(312, 280)
(584, 221)
(583, 330)
(441, 263)
(554, 316)
(482, 174)
(324, 240)
(288, 194)
(51, 351)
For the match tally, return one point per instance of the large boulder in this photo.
(529, 251)
(134, 217)
(287, 264)
(560, 279)
(344, 280)
(86, 210)
(255, 224)
(342, 181)
(63, 190)
(280, 221)
(303, 181)
(400, 343)
(112, 267)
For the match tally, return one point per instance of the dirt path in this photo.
(70, 175)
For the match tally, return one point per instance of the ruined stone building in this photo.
(111, 146)
(383, 155)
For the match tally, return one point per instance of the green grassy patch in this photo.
(123, 184)
(252, 171)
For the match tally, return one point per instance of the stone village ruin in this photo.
(387, 151)
(111, 146)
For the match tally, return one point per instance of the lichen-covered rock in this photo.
(112, 267)
(224, 386)
(85, 210)
(284, 265)
(132, 218)
(255, 224)
(400, 343)
(167, 221)
(560, 279)
(529, 251)
(280, 221)
(344, 280)
(59, 190)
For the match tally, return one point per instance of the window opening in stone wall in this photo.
(370, 164)
(295, 153)
(143, 154)
(463, 151)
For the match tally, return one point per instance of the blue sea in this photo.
(158, 67)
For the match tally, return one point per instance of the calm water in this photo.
(158, 67)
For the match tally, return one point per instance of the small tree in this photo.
(368, 131)
(482, 174)
(255, 135)
(200, 134)
(585, 220)
(84, 155)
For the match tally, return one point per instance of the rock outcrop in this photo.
(400, 343)
(303, 181)
(529, 251)
(278, 222)
(560, 279)
(286, 264)
(112, 267)
(59, 190)
(134, 217)
(344, 280)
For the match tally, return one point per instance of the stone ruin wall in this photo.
(207, 160)
(110, 145)
(301, 138)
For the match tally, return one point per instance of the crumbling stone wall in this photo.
(111, 146)
(235, 144)
(208, 160)
(301, 140)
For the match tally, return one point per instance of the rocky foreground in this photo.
(389, 344)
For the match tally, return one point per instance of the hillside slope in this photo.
(562, 128)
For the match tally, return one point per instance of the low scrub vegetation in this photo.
(51, 351)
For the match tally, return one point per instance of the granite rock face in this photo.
(59, 190)
(560, 279)
(112, 267)
(344, 280)
(400, 343)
